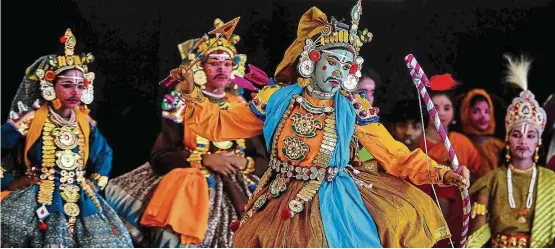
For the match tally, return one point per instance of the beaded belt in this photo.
(510, 241)
(303, 173)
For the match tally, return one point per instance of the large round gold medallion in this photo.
(65, 137)
(71, 209)
(67, 159)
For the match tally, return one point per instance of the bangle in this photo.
(250, 168)
(441, 170)
(194, 96)
(101, 181)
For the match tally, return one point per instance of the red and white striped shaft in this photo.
(421, 82)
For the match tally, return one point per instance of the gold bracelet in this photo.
(439, 175)
(101, 181)
(250, 166)
(198, 96)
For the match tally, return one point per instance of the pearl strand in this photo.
(529, 199)
(60, 120)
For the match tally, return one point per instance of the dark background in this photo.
(135, 45)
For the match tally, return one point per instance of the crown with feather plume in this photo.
(524, 108)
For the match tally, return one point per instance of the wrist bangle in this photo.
(250, 168)
(101, 181)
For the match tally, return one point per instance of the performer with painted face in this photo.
(54, 160)
(514, 204)
(478, 123)
(192, 188)
(310, 196)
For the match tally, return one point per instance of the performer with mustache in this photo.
(312, 122)
(192, 188)
(478, 123)
(54, 160)
(514, 203)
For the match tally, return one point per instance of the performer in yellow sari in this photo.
(310, 196)
(514, 205)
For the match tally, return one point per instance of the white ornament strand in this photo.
(529, 199)
(214, 95)
(60, 120)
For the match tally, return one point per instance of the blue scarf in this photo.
(346, 220)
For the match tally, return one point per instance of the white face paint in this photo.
(523, 141)
(332, 69)
(219, 57)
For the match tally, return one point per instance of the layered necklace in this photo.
(318, 94)
(521, 219)
(56, 118)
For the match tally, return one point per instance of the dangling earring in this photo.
(536, 154)
(47, 91)
(309, 56)
(508, 155)
(57, 104)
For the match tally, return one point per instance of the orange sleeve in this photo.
(396, 158)
(210, 121)
(469, 157)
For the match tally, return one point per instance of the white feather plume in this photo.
(517, 70)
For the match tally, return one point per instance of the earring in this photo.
(199, 76)
(536, 154)
(508, 155)
(47, 90)
(305, 68)
(88, 95)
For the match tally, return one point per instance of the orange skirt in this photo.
(404, 215)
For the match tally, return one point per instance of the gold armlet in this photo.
(478, 209)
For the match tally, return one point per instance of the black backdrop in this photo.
(134, 43)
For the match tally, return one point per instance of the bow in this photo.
(421, 82)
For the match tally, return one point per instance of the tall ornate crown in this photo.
(59, 63)
(316, 34)
(194, 48)
(336, 33)
(525, 108)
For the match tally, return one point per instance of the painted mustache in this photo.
(335, 82)
(221, 75)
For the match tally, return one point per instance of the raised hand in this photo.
(185, 78)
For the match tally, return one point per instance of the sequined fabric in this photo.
(19, 226)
